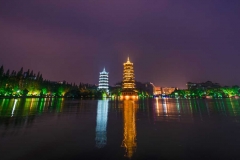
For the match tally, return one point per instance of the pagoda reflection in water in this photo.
(101, 128)
(129, 134)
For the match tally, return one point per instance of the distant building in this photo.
(61, 82)
(147, 87)
(167, 90)
(157, 91)
(203, 85)
(154, 90)
(103, 80)
(128, 86)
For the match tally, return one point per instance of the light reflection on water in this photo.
(129, 133)
(17, 112)
(131, 127)
(193, 110)
(101, 127)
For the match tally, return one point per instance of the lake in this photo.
(48, 128)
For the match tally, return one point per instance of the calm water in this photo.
(108, 129)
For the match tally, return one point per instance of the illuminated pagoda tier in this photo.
(103, 80)
(101, 127)
(128, 86)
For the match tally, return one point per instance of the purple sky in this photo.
(170, 42)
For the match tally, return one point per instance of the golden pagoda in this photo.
(128, 86)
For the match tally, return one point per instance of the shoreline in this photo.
(15, 97)
(21, 97)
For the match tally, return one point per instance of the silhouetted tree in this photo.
(7, 73)
(20, 73)
(38, 75)
(40, 78)
(31, 74)
(1, 71)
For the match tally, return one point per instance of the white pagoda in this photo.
(103, 80)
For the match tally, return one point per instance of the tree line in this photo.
(29, 83)
(219, 92)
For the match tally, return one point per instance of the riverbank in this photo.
(10, 97)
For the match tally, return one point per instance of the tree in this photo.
(38, 75)
(40, 78)
(31, 74)
(27, 74)
(230, 91)
(7, 73)
(25, 92)
(1, 71)
(20, 73)
(13, 74)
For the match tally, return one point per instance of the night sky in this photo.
(170, 42)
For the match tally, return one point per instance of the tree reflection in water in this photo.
(23, 111)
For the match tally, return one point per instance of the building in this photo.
(168, 90)
(203, 85)
(157, 91)
(103, 80)
(146, 87)
(128, 85)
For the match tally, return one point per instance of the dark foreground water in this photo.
(107, 129)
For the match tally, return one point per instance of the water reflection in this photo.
(164, 111)
(22, 112)
(130, 133)
(167, 128)
(101, 128)
(14, 106)
(195, 110)
(169, 110)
